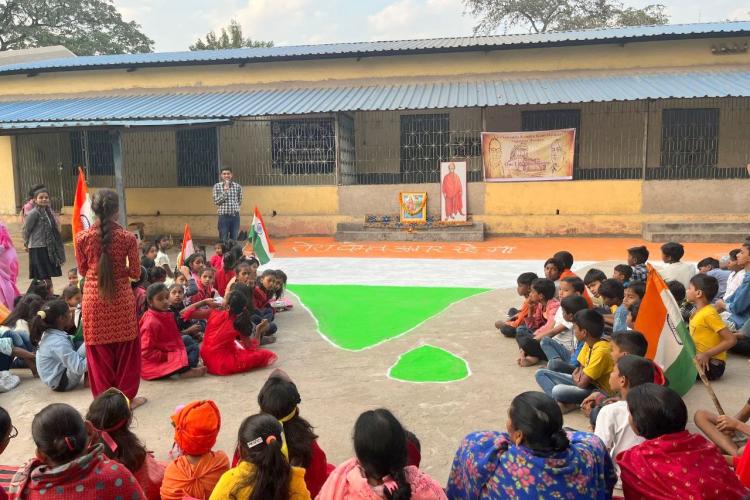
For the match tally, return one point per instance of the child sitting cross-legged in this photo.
(711, 336)
(176, 305)
(562, 350)
(543, 306)
(671, 462)
(67, 464)
(165, 352)
(516, 316)
(595, 365)
(111, 417)
(613, 294)
(264, 470)
(612, 422)
(196, 470)
(730, 434)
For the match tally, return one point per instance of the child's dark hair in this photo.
(380, 446)
(574, 303)
(733, 254)
(46, 318)
(241, 308)
(208, 269)
(544, 287)
(633, 309)
(673, 250)
(540, 420)
(709, 261)
(264, 274)
(526, 278)
(706, 284)
(147, 263)
(631, 342)
(259, 442)
(677, 290)
(228, 261)
(192, 258)
(638, 370)
(40, 288)
(656, 410)
(612, 289)
(110, 413)
(176, 285)
(146, 248)
(25, 309)
(157, 274)
(59, 433)
(565, 257)
(155, 289)
(625, 270)
(591, 321)
(142, 279)
(594, 275)
(224, 246)
(555, 262)
(576, 283)
(279, 397)
(105, 205)
(241, 264)
(158, 239)
(69, 292)
(5, 425)
(73, 270)
(637, 287)
(639, 254)
(253, 260)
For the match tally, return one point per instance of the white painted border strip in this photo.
(334, 344)
(468, 367)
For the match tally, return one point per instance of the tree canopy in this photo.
(539, 16)
(85, 27)
(231, 37)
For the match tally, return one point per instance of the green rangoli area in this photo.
(357, 317)
(429, 364)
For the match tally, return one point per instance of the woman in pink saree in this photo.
(8, 269)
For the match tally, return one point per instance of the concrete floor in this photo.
(336, 386)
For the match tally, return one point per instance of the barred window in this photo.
(301, 147)
(554, 119)
(690, 137)
(197, 157)
(425, 142)
(93, 149)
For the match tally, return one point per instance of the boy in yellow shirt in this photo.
(594, 365)
(711, 336)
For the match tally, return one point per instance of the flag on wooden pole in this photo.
(669, 342)
(258, 238)
(83, 216)
(187, 249)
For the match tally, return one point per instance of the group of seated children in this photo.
(193, 320)
(641, 438)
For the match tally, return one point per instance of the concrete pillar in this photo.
(8, 200)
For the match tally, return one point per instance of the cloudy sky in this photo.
(175, 24)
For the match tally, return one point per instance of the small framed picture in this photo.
(413, 208)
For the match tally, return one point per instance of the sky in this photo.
(175, 24)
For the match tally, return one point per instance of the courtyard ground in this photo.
(337, 385)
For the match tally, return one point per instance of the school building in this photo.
(324, 134)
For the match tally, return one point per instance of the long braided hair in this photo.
(105, 205)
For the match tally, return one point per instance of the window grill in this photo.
(689, 143)
(554, 119)
(197, 157)
(425, 141)
(92, 149)
(303, 147)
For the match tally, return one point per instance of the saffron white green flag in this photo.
(258, 236)
(669, 342)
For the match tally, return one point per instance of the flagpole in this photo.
(710, 389)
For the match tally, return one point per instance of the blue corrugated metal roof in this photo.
(109, 123)
(360, 49)
(382, 97)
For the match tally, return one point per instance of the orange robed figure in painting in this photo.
(453, 192)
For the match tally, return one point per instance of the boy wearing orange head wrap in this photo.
(196, 472)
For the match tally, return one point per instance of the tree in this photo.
(540, 16)
(230, 38)
(85, 27)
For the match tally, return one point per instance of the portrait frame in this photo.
(458, 206)
(412, 207)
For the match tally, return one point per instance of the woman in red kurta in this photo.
(221, 352)
(108, 259)
(672, 462)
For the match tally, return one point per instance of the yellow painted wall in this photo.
(7, 174)
(187, 202)
(570, 198)
(678, 53)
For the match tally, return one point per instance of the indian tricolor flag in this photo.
(669, 342)
(187, 248)
(258, 239)
(83, 216)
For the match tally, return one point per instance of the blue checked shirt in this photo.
(640, 272)
(228, 201)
